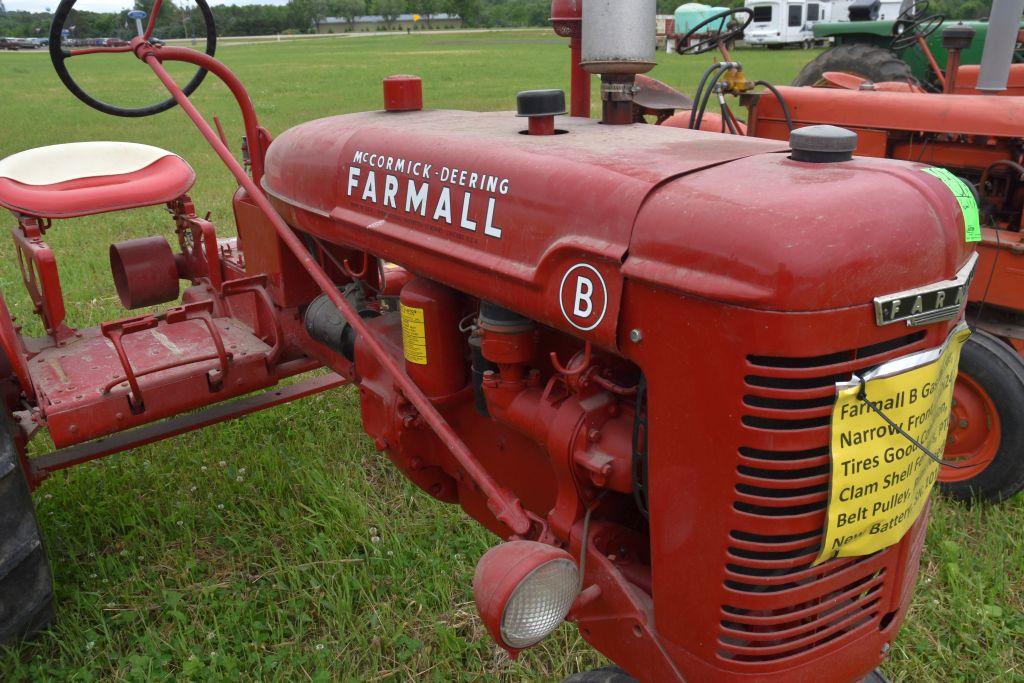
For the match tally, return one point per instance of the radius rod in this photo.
(503, 503)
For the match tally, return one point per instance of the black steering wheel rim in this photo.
(907, 31)
(58, 57)
(916, 9)
(709, 44)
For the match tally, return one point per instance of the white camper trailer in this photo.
(778, 23)
(886, 10)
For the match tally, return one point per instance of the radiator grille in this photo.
(777, 605)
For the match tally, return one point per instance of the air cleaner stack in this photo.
(618, 43)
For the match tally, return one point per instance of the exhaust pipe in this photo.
(1001, 41)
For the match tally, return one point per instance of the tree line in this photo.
(301, 16)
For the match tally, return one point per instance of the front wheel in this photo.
(26, 584)
(606, 674)
(873, 63)
(986, 428)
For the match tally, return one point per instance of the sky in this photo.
(113, 5)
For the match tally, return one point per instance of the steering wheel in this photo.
(911, 24)
(59, 55)
(708, 44)
(916, 9)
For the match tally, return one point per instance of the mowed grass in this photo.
(282, 546)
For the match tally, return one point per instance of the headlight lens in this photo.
(539, 603)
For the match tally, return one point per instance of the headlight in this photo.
(523, 591)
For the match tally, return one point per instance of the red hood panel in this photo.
(466, 199)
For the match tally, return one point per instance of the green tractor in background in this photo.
(879, 43)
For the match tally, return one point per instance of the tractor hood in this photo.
(469, 200)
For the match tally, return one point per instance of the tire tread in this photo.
(868, 61)
(26, 583)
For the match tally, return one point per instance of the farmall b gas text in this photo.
(687, 423)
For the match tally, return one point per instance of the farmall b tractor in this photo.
(704, 436)
(978, 137)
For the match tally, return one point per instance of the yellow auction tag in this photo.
(880, 478)
(414, 335)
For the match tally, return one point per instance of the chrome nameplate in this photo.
(930, 304)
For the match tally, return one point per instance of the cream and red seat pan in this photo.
(86, 178)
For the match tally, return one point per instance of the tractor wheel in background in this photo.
(606, 674)
(986, 428)
(873, 63)
(26, 585)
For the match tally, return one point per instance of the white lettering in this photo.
(416, 199)
(390, 191)
(466, 223)
(370, 189)
(490, 229)
(584, 297)
(444, 206)
(353, 178)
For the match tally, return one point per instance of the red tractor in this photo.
(979, 139)
(568, 327)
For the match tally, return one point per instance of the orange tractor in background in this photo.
(977, 138)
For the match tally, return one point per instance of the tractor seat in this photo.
(86, 178)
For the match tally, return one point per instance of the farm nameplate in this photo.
(455, 196)
(930, 304)
(880, 479)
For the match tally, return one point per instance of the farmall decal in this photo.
(464, 199)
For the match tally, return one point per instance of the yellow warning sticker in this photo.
(414, 335)
(880, 478)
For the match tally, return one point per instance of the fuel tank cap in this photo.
(540, 103)
(540, 107)
(822, 144)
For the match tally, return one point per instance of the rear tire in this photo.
(873, 63)
(26, 584)
(606, 674)
(987, 423)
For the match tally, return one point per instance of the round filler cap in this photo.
(530, 103)
(822, 144)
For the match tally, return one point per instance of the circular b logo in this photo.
(583, 297)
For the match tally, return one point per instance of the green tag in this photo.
(963, 194)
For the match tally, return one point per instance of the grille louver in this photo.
(777, 605)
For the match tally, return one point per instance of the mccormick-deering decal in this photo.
(465, 199)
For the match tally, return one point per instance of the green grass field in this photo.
(282, 546)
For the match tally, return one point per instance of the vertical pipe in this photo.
(1001, 41)
(542, 125)
(580, 80)
(952, 70)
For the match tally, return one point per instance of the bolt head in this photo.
(885, 648)
(963, 424)
(636, 335)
